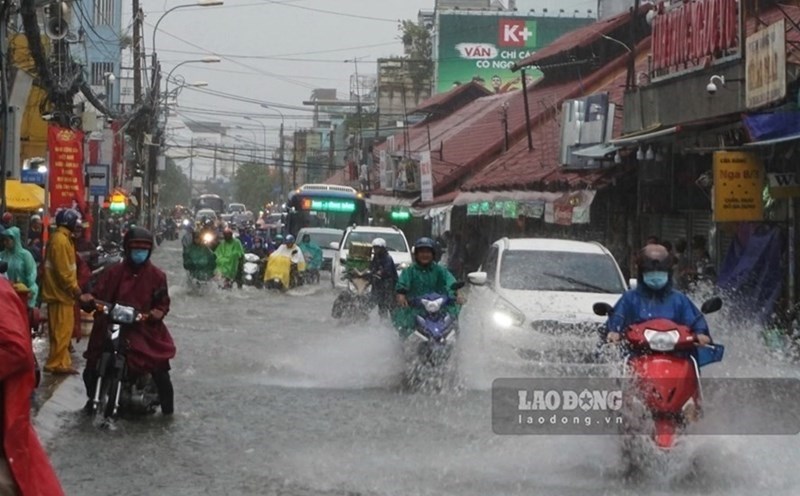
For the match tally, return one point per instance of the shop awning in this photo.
(644, 136)
(774, 141)
(24, 197)
(390, 201)
(596, 151)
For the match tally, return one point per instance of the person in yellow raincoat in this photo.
(60, 290)
(279, 263)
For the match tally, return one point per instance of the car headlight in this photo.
(432, 306)
(403, 266)
(506, 315)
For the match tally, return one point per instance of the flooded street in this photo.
(274, 397)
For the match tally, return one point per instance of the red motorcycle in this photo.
(664, 368)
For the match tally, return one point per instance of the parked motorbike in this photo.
(117, 389)
(253, 270)
(105, 256)
(356, 301)
(665, 375)
(435, 327)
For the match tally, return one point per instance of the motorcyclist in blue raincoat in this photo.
(655, 298)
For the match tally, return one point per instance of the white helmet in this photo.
(379, 243)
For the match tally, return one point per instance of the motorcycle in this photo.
(357, 301)
(435, 327)
(105, 256)
(117, 389)
(665, 376)
(210, 237)
(281, 273)
(253, 270)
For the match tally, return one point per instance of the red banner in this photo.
(66, 183)
(693, 33)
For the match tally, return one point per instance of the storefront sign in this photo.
(66, 182)
(738, 187)
(783, 185)
(426, 176)
(766, 65)
(690, 35)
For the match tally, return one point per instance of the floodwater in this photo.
(275, 397)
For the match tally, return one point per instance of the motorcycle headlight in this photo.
(432, 306)
(660, 340)
(208, 238)
(187, 222)
(506, 315)
(403, 266)
(123, 314)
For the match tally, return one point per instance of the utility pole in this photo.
(331, 151)
(280, 166)
(191, 171)
(137, 131)
(294, 161)
(215, 161)
(5, 122)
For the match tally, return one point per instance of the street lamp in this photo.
(199, 3)
(264, 128)
(211, 59)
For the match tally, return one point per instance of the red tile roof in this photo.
(541, 168)
(579, 38)
(464, 92)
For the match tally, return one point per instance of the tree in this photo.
(253, 185)
(419, 52)
(173, 185)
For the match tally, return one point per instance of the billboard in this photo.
(483, 46)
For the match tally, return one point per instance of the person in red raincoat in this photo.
(138, 283)
(24, 467)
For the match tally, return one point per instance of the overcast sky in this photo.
(250, 35)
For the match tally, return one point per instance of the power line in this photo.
(334, 13)
(279, 55)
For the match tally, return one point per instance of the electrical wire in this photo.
(332, 12)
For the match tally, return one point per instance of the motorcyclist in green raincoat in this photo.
(21, 265)
(424, 277)
(230, 255)
(311, 252)
(199, 260)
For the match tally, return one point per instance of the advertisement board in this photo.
(66, 180)
(765, 59)
(738, 187)
(426, 176)
(483, 46)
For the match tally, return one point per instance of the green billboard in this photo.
(482, 46)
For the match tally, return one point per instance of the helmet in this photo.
(67, 217)
(289, 239)
(35, 218)
(379, 243)
(137, 237)
(425, 242)
(654, 258)
(8, 218)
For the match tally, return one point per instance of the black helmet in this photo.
(67, 217)
(425, 242)
(654, 258)
(137, 237)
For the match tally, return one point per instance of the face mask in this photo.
(139, 256)
(656, 280)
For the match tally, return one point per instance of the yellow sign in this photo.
(118, 199)
(738, 187)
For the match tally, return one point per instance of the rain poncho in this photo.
(21, 265)
(313, 253)
(642, 304)
(280, 262)
(229, 256)
(200, 261)
(417, 281)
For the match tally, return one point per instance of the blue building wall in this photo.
(101, 21)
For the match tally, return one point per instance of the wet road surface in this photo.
(274, 397)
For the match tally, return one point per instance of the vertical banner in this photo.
(426, 176)
(738, 187)
(66, 184)
(766, 65)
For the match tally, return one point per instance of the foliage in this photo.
(173, 185)
(419, 52)
(253, 185)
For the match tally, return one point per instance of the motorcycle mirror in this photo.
(602, 309)
(458, 285)
(712, 305)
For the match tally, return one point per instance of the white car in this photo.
(537, 296)
(396, 244)
(323, 237)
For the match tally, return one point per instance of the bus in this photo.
(325, 205)
(213, 202)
